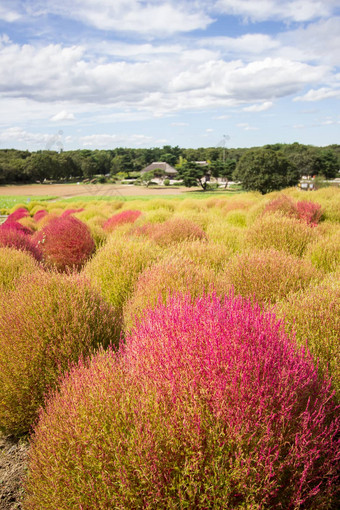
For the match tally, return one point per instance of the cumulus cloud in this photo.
(18, 135)
(151, 18)
(318, 94)
(113, 140)
(63, 115)
(258, 107)
(290, 10)
(246, 126)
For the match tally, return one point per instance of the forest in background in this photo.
(17, 166)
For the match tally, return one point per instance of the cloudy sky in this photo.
(146, 73)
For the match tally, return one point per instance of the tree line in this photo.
(18, 166)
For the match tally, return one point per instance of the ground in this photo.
(13, 455)
(76, 190)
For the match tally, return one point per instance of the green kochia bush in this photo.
(48, 321)
(208, 406)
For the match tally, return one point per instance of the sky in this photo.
(101, 74)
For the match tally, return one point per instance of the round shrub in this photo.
(17, 226)
(47, 322)
(282, 204)
(66, 243)
(230, 236)
(116, 266)
(310, 212)
(325, 253)
(41, 213)
(176, 230)
(121, 219)
(13, 264)
(173, 274)
(20, 212)
(268, 275)
(314, 315)
(13, 237)
(210, 254)
(208, 406)
(281, 233)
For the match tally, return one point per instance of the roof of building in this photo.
(168, 169)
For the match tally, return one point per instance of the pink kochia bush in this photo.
(19, 213)
(14, 235)
(306, 211)
(40, 214)
(47, 322)
(121, 219)
(207, 406)
(66, 243)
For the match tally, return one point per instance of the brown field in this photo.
(76, 190)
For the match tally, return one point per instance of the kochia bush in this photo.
(176, 230)
(13, 264)
(269, 275)
(171, 275)
(121, 219)
(14, 237)
(314, 315)
(116, 266)
(208, 406)
(47, 322)
(281, 233)
(66, 243)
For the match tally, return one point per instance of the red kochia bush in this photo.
(309, 212)
(176, 230)
(65, 243)
(19, 213)
(40, 214)
(209, 405)
(14, 236)
(121, 219)
(15, 225)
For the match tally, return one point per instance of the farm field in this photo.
(169, 351)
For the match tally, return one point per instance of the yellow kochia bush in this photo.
(314, 315)
(116, 266)
(281, 233)
(13, 264)
(49, 321)
(269, 275)
(173, 274)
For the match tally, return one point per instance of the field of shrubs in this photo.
(174, 354)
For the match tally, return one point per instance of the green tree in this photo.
(329, 164)
(194, 174)
(265, 170)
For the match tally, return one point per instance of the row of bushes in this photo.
(185, 395)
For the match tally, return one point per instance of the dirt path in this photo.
(13, 457)
(76, 190)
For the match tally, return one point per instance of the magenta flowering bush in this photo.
(121, 219)
(46, 323)
(19, 213)
(208, 405)
(14, 235)
(65, 242)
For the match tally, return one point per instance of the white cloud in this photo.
(63, 115)
(18, 135)
(149, 18)
(113, 140)
(290, 10)
(318, 94)
(258, 107)
(179, 124)
(246, 126)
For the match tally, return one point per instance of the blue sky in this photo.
(101, 74)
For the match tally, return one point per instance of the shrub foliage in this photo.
(208, 406)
